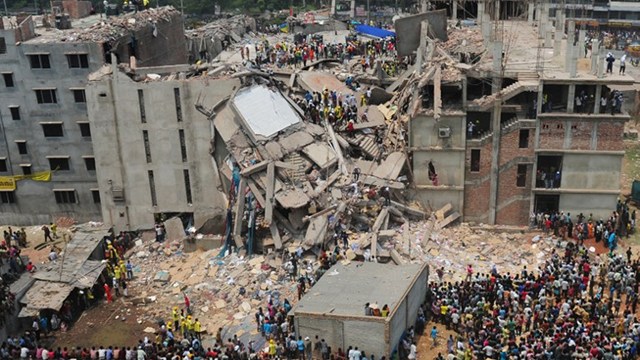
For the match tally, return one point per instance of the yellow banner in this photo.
(39, 176)
(7, 183)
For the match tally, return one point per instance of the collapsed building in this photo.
(470, 130)
(492, 110)
(206, 42)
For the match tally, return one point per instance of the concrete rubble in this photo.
(225, 291)
(209, 40)
(114, 28)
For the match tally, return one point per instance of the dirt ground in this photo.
(35, 237)
(426, 351)
(122, 327)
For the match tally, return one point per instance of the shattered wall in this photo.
(129, 167)
(164, 44)
(447, 156)
(207, 40)
(408, 30)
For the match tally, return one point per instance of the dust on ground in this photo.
(115, 324)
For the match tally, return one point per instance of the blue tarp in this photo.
(374, 31)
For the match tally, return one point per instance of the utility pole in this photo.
(368, 12)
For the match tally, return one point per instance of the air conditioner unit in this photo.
(444, 132)
(117, 194)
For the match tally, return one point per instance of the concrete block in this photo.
(162, 276)
(174, 228)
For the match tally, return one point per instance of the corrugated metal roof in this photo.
(77, 251)
(264, 111)
(46, 295)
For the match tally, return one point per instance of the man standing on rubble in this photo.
(386, 194)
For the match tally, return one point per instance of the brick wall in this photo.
(26, 29)
(610, 136)
(511, 155)
(515, 213)
(581, 132)
(551, 134)
(510, 146)
(77, 9)
(477, 185)
(476, 202)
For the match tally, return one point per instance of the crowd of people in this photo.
(308, 49)
(575, 305)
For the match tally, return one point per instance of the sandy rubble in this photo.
(227, 291)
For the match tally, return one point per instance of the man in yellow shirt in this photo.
(197, 327)
(176, 318)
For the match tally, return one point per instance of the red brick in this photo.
(581, 132)
(551, 134)
(610, 135)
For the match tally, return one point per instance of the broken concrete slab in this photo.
(162, 276)
(320, 153)
(174, 229)
(318, 81)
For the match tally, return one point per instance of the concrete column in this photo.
(495, 159)
(540, 98)
(496, 10)
(573, 63)
(530, 12)
(497, 58)
(566, 144)
(464, 94)
(601, 62)
(332, 11)
(559, 32)
(572, 51)
(595, 45)
(353, 9)
(582, 34)
(596, 108)
(454, 10)
(548, 38)
(594, 136)
(479, 18)
(423, 6)
(570, 97)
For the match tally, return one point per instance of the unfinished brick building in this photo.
(506, 105)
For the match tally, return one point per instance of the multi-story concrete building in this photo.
(512, 119)
(43, 105)
(154, 155)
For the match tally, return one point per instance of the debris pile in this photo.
(114, 28)
(224, 291)
(209, 40)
